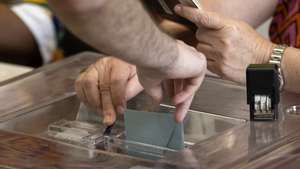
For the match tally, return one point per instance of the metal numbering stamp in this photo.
(263, 91)
(263, 107)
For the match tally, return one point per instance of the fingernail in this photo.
(120, 109)
(177, 8)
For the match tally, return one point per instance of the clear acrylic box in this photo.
(76, 132)
(91, 136)
(88, 133)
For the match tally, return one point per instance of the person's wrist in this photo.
(266, 52)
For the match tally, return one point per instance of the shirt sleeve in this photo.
(39, 21)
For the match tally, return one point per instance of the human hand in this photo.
(106, 86)
(186, 73)
(229, 45)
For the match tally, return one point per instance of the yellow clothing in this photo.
(36, 1)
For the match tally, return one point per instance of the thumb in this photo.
(200, 17)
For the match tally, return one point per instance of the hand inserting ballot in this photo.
(229, 45)
(108, 84)
(184, 75)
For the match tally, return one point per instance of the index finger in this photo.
(108, 110)
(182, 109)
(200, 17)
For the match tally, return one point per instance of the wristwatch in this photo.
(276, 58)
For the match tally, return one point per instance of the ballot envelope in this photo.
(159, 129)
(158, 132)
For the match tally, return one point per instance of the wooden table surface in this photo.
(19, 151)
(8, 71)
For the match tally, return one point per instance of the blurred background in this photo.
(31, 35)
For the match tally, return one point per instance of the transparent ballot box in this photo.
(87, 132)
(75, 132)
(90, 135)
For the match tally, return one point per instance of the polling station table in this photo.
(217, 131)
(8, 71)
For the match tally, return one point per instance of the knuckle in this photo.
(101, 64)
(119, 74)
(226, 42)
(105, 59)
(203, 19)
(232, 30)
(110, 61)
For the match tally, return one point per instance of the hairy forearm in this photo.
(291, 69)
(120, 28)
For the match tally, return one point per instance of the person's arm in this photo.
(124, 29)
(231, 45)
(254, 12)
(17, 44)
(118, 27)
(236, 9)
(291, 69)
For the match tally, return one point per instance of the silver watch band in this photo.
(276, 58)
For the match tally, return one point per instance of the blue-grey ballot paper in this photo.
(152, 128)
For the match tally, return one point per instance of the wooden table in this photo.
(8, 71)
(18, 151)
